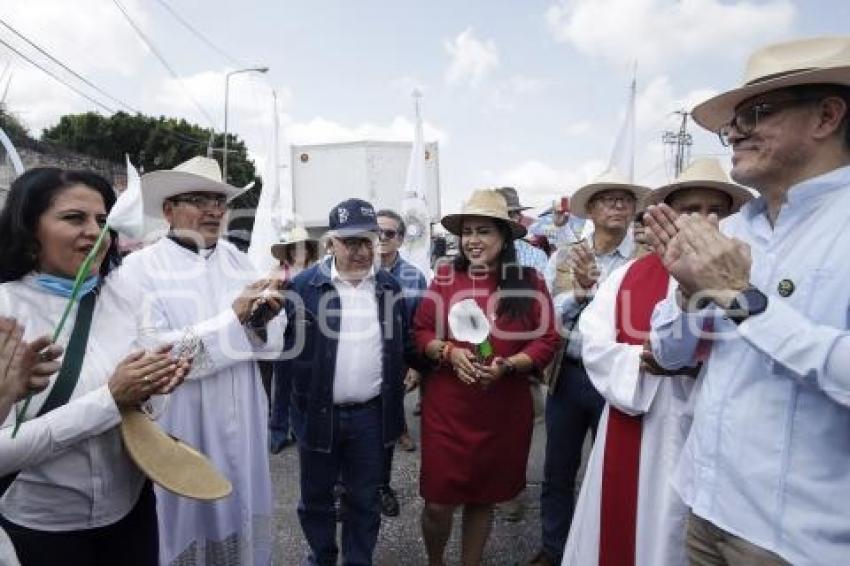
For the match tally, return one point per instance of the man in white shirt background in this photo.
(347, 350)
(766, 467)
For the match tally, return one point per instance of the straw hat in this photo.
(199, 174)
(290, 238)
(611, 180)
(819, 60)
(175, 466)
(704, 173)
(484, 202)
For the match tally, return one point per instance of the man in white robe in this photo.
(626, 376)
(198, 291)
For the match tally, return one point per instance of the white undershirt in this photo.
(358, 370)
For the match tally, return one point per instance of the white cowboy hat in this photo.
(705, 173)
(199, 174)
(610, 180)
(289, 238)
(819, 60)
(170, 463)
(484, 202)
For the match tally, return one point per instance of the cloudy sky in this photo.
(523, 92)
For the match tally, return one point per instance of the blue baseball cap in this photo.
(352, 217)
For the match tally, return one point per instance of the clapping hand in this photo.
(703, 260)
(25, 368)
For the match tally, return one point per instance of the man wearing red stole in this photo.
(627, 512)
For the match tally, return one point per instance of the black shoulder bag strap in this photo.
(69, 373)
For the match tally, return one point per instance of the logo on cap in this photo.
(342, 214)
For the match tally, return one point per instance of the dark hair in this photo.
(29, 197)
(514, 279)
(822, 91)
(386, 212)
(312, 247)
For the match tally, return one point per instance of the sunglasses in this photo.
(387, 234)
(354, 244)
(202, 200)
(747, 118)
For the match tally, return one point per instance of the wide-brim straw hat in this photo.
(488, 203)
(702, 173)
(820, 60)
(197, 175)
(610, 180)
(171, 464)
(289, 238)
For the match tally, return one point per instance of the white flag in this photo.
(623, 154)
(414, 208)
(268, 220)
(128, 214)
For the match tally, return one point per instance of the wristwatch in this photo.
(749, 302)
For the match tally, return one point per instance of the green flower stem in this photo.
(82, 272)
(485, 349)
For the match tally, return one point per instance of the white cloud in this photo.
(539, 183)
(322, 130)
(471, 59)
(578, 128)
(89, 36)
(657, 32)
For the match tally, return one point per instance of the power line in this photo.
(176, 135)
(68, 69)
(56, 78)
(164, 62)
(199, 35)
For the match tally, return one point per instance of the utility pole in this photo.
(681, 142)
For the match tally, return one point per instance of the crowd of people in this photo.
(698, 332)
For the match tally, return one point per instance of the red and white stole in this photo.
(644, 285)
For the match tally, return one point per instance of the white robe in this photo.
(666, 404)
(221, 408)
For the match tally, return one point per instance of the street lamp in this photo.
(226, 98)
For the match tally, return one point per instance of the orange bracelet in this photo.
(445, 355)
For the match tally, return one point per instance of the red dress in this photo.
(475, 441)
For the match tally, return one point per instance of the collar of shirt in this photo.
(804, 195)
(191, 246)
(625, 249)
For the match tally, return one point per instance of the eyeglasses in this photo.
(354, 244)
(611, 201)
(747, 119)
(387, 234)
(202, 200)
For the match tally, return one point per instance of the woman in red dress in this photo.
(477, 414)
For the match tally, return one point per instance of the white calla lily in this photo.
(468, 322)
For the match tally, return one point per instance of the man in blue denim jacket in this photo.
(346, 349)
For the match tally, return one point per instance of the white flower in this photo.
(468, 322)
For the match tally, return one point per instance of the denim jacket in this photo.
(310, 348)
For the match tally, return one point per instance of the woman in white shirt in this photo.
(78, 498)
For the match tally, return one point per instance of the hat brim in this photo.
(718, 110)
(578, 202)
(454, 224)
(279, 250)
(172, 464)
(739, 195)
(519, 208)
(158, 186)
(351, 231)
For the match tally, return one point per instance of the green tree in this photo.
(11, 125)
(152, 142)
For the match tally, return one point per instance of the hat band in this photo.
(780, 75)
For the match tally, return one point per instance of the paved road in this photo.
(400, 540)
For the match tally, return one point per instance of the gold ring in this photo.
(146, 379)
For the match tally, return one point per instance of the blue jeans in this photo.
(357, 458)
(279, 423)
(572, 409)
